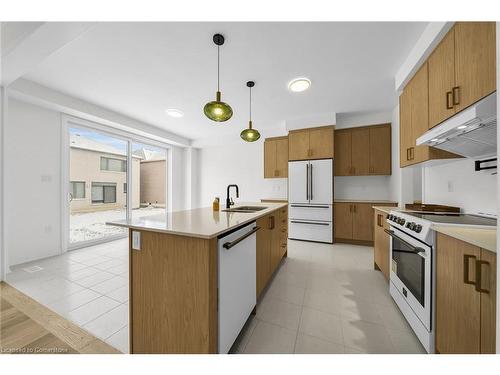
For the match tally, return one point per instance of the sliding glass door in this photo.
(110, 177)
(98, 176)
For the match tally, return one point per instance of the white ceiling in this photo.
(140, 69)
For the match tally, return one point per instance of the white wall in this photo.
(351, 120)
(236, 163)
(32, 160)
(2, 252)
(457, 184)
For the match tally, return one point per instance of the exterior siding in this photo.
(153, 182)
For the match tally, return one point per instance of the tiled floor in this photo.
(327, 299)
(323, 299)
(87, 286)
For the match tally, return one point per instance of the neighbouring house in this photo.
(153, 177)
(98, 176)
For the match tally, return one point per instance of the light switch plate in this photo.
(136, 240)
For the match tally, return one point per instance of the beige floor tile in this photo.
(405, 342)
(321, 325)
(270, 338)
(244, 336)
(392, 317)
(366, 336)
(278, 312)
(325, 301)
(354, 309)
(286, 292)
(312, 345)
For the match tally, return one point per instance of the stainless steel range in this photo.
(412, 280)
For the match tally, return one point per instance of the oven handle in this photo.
(417, 249)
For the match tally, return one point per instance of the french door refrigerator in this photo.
(310, 197)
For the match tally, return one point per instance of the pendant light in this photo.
(250, 135)
(218, 110)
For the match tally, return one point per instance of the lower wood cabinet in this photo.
(353, 222)
(271, 245)
(465, 297)
(381, 243)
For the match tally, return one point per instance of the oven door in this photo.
(411, 267)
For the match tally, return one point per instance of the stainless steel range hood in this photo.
(471, 133)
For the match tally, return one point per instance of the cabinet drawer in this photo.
(310, 230)
(310, 212)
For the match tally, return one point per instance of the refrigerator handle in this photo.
(307, 181)
(311, 182)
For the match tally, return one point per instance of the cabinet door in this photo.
(362, 223)
(263, 261)
(405, 132)
(342, 161)
(321, 181)
(298, 145)
(343, 220)
(488, 301)
(381, 243)
(282, 157)
(275, 240)
(475, 62)
(419, 114)
(441, 66)
(380, 150)
(270, 169)
(360, 140)
(321, 143)
(298, 183)
(457, 303)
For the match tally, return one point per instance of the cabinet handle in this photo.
(354, 207)
(448, 97)
(379, 220)
(467, 258)
(479, 278)
(350, 208)
(407, 154)
(456, 95)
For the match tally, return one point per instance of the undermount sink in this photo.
(249, 209)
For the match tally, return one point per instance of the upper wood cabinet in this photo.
(465, 297)
(461, 69)
(414, 121)
(313, 143)
(363, 151)
(276, 157)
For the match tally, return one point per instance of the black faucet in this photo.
(229, 201)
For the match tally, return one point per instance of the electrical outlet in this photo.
(136, 240)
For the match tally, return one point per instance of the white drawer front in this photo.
(321, 212)
(320, 231)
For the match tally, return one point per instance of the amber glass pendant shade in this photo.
(250, 135)
(218, 110)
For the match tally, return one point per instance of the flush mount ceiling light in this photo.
(299, 84)
(172, 112)
(250, 135)
(218, 110)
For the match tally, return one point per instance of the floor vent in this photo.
(33, 269)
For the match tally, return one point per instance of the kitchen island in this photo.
(174, 274)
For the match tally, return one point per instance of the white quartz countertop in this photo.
(483, 238)
(199, 222)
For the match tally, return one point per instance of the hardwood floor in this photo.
(31, 328)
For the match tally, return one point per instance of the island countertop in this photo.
(199, 222)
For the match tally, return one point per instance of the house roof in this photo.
(85, 143)
(149, 155)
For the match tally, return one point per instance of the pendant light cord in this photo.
(250, 104)
(218, 67)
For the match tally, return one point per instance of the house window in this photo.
(125, 187)
(77, 189)
(103, 192)
(114, 165)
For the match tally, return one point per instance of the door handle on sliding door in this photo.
(311, 181)
(307, 181)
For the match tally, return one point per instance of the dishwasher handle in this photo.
(229, 245)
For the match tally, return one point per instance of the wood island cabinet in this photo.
(363, 151)
(312, 143)
(465, 297)
(271, 245)
(276, 157)
(381, 244)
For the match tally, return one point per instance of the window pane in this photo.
(78, 189)
(114, 165)
(109, 194)
(97, 193)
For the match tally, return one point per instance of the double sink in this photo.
(247, 209)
